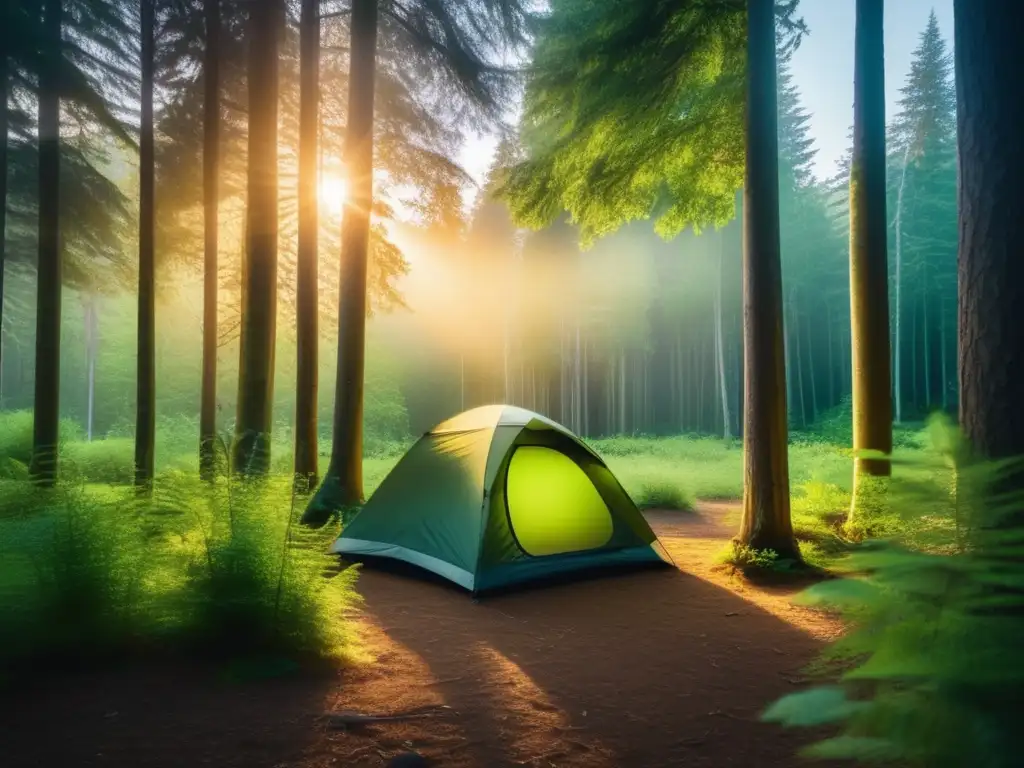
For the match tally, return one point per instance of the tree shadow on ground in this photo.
(161, 717)
(654, 668)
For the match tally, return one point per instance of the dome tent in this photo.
(498, 496)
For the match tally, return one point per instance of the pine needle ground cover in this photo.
(221, 571)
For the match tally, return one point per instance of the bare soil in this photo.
(656, 668)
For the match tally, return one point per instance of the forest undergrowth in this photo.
(224, 569)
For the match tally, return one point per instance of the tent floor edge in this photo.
(556, 569)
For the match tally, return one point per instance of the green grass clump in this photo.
(221, 570)
(662, 495)
(72, 576)
(747, 558)
(255, 582)
(110, 461)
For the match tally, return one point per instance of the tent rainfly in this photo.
(498, 496)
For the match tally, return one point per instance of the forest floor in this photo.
(657, 668)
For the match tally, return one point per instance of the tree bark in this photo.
(307, 292)
(145, 399)
(251, 450)
(869, 276)
(343, 485)
(46, 424)
(990, 121)
(766, 522)
(4, 130)
(211, 197)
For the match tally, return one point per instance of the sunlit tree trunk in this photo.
(766, 522)
(251, 449)
(145, 401)
(343, 484)
(869, 274)
(46, 425)
(990, 120)
(307, 292)
(211, 153)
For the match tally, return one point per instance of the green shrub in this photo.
(89, 572)
(16, 436)
(16, 441)
(111, 461)
(746, 558)
(72, 575)
(255, 582)
(934, 671)
(661, 495)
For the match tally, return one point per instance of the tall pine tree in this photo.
(813, 260)
(923, 233)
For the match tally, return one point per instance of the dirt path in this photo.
(658, 668)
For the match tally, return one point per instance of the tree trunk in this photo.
(343, 486)
(723, 387)
(145, 401)
(680, 386)
(91, 349)
(869, 275)
(586, 389)
(926, 358)
(798, 363)
(898, 363)
(831, 358)
(307, 290)
(46, 424)
(622, 391)
(211, 197)
(944, 356)
(915, 391)
(251, 451)
(3, 197)
(811, 374)
(990, 118)
(766, 522)
(787, 353)
(701, 377)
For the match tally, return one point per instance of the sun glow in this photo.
(333, 194)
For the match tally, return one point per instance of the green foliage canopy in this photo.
(639, 117)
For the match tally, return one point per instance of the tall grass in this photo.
(219, 570)
(72, 576)
(252, 578)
